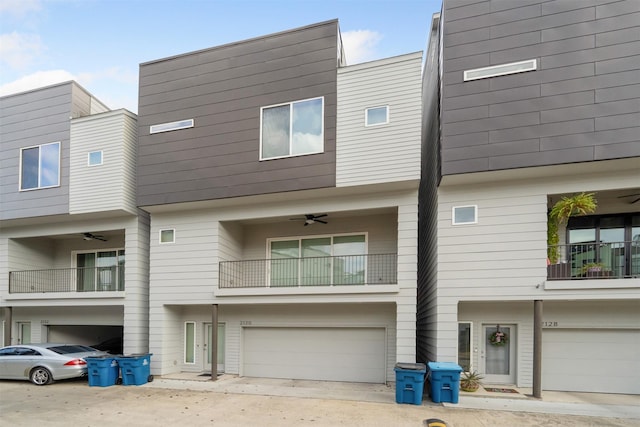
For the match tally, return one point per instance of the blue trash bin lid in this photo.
(411, 366)
(444, 366)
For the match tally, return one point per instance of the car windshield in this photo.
(66, 349)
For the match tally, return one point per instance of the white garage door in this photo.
(590, 360)
(330, 354)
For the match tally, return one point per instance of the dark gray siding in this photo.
(428, 205)
(27, 119)
(222, 89)
(582, 104)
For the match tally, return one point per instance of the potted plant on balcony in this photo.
(470, 381)
(562, 210)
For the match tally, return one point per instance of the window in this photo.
(292, 129)
(100, 271)
(331, 260)
(189, 342)
(500, 70)
(464, 215)
(376, 116)
(167, 236)
(464, 345)
(166, 127)
(40, 166)
(604, 246)
(94, 158)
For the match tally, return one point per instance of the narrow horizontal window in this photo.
(166, 127)
(500, 70)
(376, 116)
(464, 215)
(95, 158)
(167, 236)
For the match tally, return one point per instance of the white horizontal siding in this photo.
(109, 186)
(384, 153)
(503, 256)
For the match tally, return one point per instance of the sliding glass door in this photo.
(318, 261)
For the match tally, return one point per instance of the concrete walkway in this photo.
(585, 404)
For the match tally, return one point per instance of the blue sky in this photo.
(100, 43)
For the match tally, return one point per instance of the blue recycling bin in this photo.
(445, 381)
(135, 369)
(102, 371)
(410, 382)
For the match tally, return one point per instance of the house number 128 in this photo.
(549, 324)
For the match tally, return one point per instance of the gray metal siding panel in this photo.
(222, 89)
(584, 94)
(33, 118)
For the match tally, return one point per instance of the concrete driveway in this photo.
(174, 402)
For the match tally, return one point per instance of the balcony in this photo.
(88, 279)
(345, 272)
(584, 261)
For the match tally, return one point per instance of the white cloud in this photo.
(19, 50)
(36, 80)
(360, 45)
(19, 8)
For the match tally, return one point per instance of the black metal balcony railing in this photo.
(89, 279)
(347, 270)
(612, 260)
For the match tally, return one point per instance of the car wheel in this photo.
(40, 376)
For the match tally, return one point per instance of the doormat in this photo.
(500, 390)
(208, 375)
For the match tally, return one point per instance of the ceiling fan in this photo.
(631, 195)
(311, 219)
(91, 236)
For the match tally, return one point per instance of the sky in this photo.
(100, 43)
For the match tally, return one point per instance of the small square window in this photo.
(464, 215)
(95, 158)
(167, 236)
(376, 116)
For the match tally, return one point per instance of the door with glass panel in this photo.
(100, 271)
(24, 332)
(318, 261)
(464, 346)
(498, 354)
(208, 328)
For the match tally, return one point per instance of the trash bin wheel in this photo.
(150, 378)
(119, 381)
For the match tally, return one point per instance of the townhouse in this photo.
(537, 100)
(282, 187)
(73, 244)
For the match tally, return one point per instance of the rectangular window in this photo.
(94, 158)
(189, 342)
(168, 236)
(292, 129)
(464, 345)
(40, 166)
(464, 215)
(500, 70)
(166, 127)
(376, 116)
(100, 271)
(331, 260)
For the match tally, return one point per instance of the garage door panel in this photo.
(591, 360)
(332, 354)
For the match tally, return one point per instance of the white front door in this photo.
(24, 332)
(498, 354)
(207, 346)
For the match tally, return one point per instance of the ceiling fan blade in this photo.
(628, 195)
(320, 216)
(635, 200)
(321, 221)
(100, 238)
